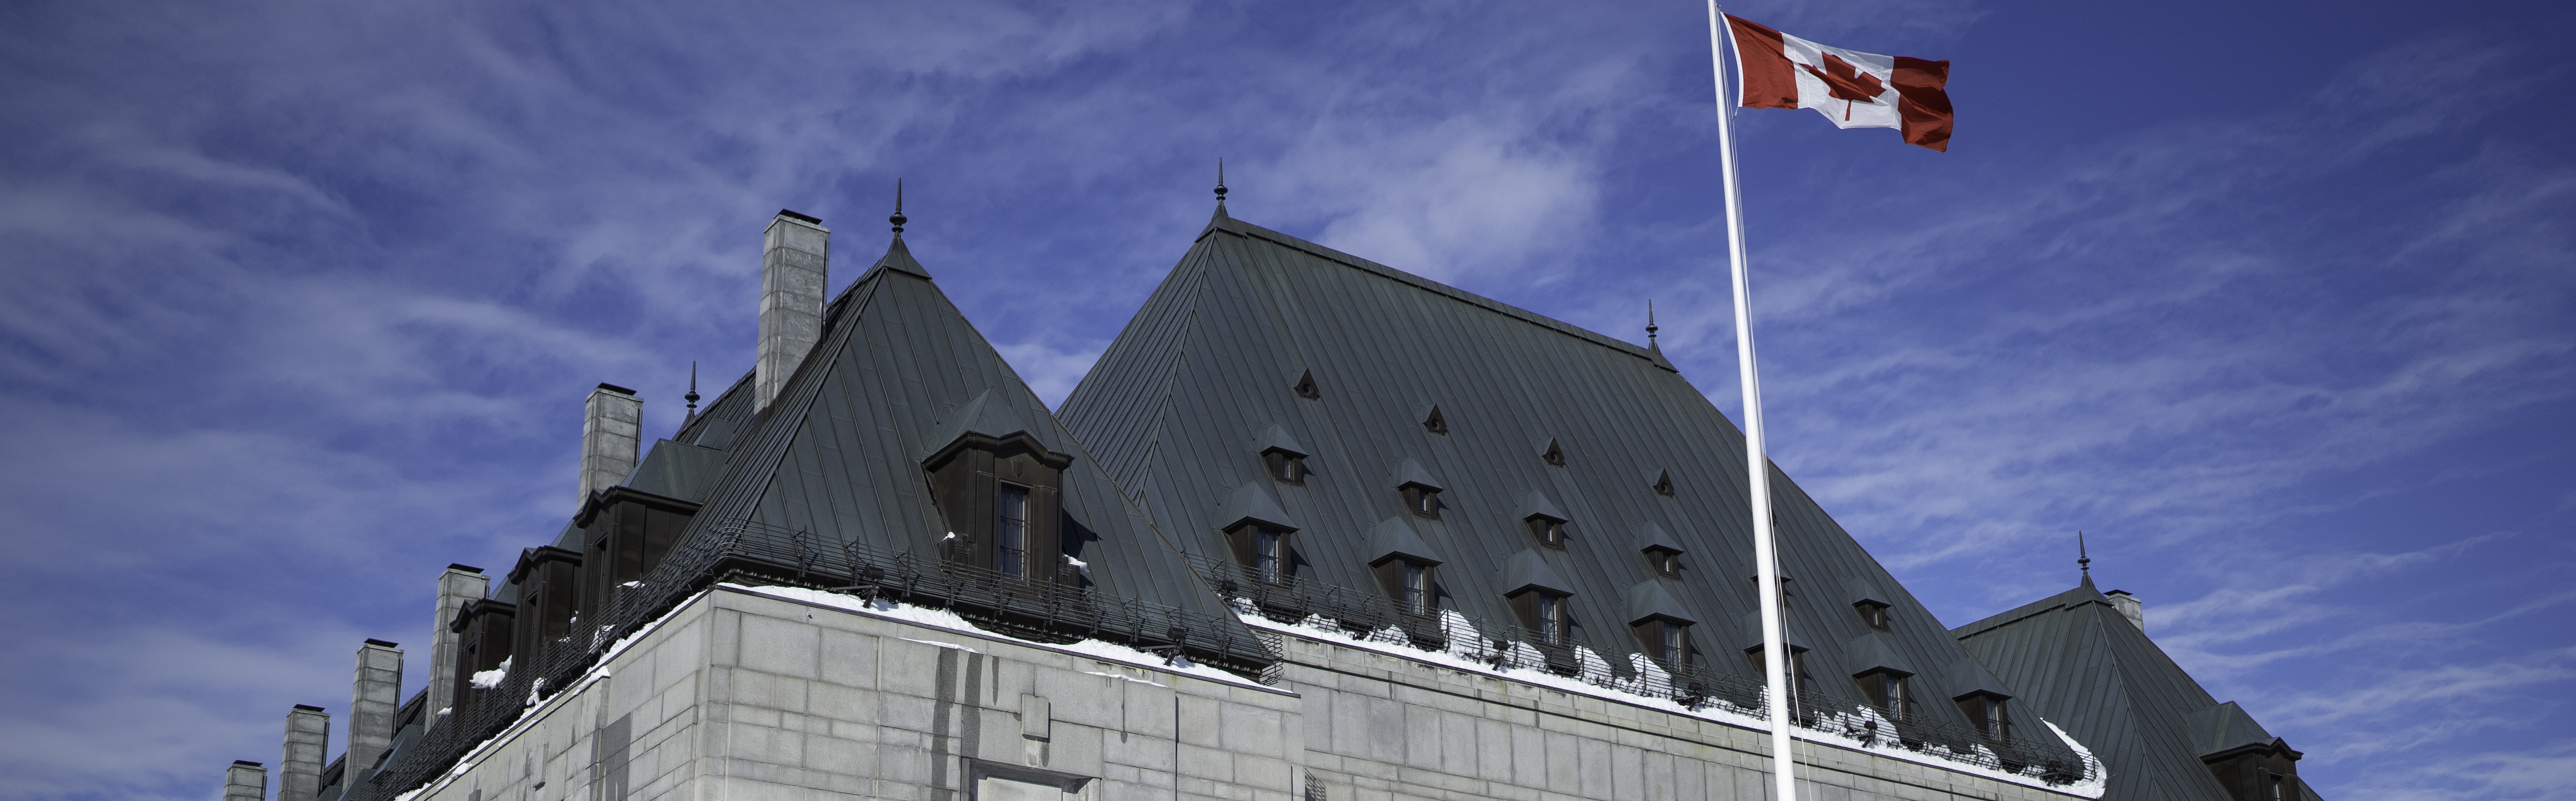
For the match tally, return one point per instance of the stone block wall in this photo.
(740, 695)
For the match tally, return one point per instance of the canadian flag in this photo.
(1854, 89)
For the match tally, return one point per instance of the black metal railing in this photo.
(1374, 616)
(751, 552)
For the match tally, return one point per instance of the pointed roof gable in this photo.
(1534, 503)
(896, 374)
(2075, 660)
(1252, 503)
(1249, 313)
(1276, 438)
(2225, 727)
(1409, 472)
(1394, 537)
(1651, 599)
(1652, 537)
(1529, 570)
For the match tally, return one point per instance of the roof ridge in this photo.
(1249, 230)
(2026, 611)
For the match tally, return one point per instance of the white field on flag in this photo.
(1852, 88)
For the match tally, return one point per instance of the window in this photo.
(1549, 531)
(1550, 618)
(1788, 591)
(1986, 714)
(1011, 540)
(1873, 613)
(1416, 588)
(1801, 685)
(1887, 690)
(1435, 423)
(1268, 557)
(1306, 387)
(1286, 467)
(1664, 484)
(1554, 455)
(2273, 783)
(1408, 582)
(1667, 641)
(1424, 501)
(1665, 561)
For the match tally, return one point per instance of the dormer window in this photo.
(1667, 641)
(1873, 613)
(1002, 496)
(1801, 685)
(1407, 582)
(1547, 614)
(1422, 500)
(1553, 455)
(1986, 713)
(1666, 562)
(1788, 590)
(1285, 467)
(1887, 690)
(1663, 484)
(1549, 531)
(1306, 388)
(1264, 550)
(1433, 422)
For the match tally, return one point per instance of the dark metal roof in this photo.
(898, 373)
(2079, 662)
(1210, 361)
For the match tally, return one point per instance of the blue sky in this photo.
(2275, 301)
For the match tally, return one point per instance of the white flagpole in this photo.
(1757, 463)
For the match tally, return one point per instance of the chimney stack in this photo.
(373, 700)
(246, 781)
(794, 263)
(612, 428)
(456, 587)
(2130, 607)
(308, 735)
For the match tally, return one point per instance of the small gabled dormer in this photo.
(1404, 564)
(1546, 522)
(1661, 624)
(1981, 700)
(1257, 530)
(1661, 482)
(1542, 600)
(1551, 452)
(1801, 683)
(1431, 418)
(1871, 603)
(1001, 491)
(1663, 553)
(1304, 386)
(1885, 677)
(2251, 763)
(1420, 489)
(1282, 458)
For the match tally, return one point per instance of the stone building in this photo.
(1312, 528)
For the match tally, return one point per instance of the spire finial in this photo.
(2082, 559)
(692, 397)
(898, 219)
(1220, 183)
(1651, 328)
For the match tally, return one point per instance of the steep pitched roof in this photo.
(2073, 657)
(1248, 312)
(898, 373)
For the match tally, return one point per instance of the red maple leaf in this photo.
(1847, 82)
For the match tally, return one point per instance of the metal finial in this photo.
(898, 219)
(692, 397)
(1650, 322)
(1220, 182)
(2082, 559)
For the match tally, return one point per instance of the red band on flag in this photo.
(1923, 100)
(1770, 80)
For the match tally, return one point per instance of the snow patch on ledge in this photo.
(1527, 670)
(943, 619)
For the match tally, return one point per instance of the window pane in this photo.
(1265, 554)
(1013, 539)
(1413, 589)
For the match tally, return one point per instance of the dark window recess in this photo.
(1987, 714)
(1409, 583)
(1887, 690)
(1801, 685)
(627, 532)
(1003, 502)
(1873, 613)
(1284, 466)
(1011, 540)
(1666, 562)
(484, 636)
(1664, 484)
(1554, 455)
(549, 580)
(1667, 641)
(1549, 531)
(1547, 615)
(1435, 423)
(1422, 500)
(1264, 549)
(1305, 387)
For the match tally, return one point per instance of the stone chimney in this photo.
(612, 427)
(246, 781)
(373, 700)
(456, 587)
(794, 263)
(2130, 607)
(308, 738)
